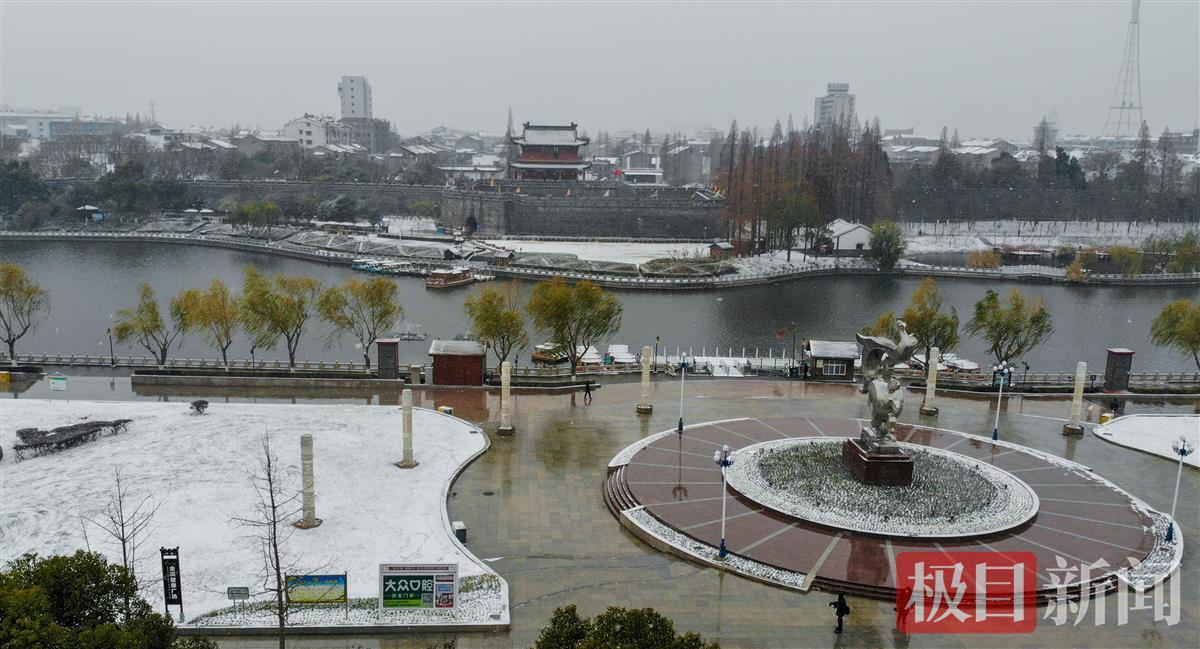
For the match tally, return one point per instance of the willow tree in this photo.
(927, 323)
(23, 306)
(496, 320)
(362, 309)
(1178, 326)
(215, 312)
(575, 316)
(145, 324)
(1013, 326)
(277, 307)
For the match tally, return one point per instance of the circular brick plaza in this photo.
(667, 490)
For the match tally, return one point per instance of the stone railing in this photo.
(83, 360)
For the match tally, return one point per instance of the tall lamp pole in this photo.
(1181, 448)
(1004, 371)
(682, 375)
(721, 457)
(112, 357)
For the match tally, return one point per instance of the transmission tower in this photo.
(1125, 111)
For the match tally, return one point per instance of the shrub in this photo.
(983, 259)
(199, 406)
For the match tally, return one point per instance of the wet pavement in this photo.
(534, 509)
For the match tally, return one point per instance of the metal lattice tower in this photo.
(1125, 111)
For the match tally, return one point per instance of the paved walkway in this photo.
(1080, 519)
(534, 508)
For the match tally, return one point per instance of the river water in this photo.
(89, 280)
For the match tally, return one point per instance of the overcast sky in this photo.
(989, 68)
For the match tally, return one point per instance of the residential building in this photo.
(837, 106)
(46, 125)
(849, 236)
(372, 133)
(252, 144)
(549, 152)
(312, 131)
(482, 167)
(355, 94)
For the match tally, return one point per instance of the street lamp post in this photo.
(654, 367)
(721, 457)
(1181, 448)
(682, 375)
(112, 357)
(1004, 371)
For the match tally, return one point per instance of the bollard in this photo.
(406, 404)
(927, 408)
(505, 427)
(645, 408)
(1074, 427)
(310, 519)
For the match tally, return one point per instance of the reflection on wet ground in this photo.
(534, 509)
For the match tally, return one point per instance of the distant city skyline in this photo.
(987, 69)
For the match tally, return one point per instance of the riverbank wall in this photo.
(848, 267)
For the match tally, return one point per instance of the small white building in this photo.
(314, 131)
(849, 236)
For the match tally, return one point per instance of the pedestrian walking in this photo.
(841, 609)
(587, 393)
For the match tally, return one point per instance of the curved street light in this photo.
(1004, 370)
(1181, 448)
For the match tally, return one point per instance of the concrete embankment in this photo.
(1024, 274)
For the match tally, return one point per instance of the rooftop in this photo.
(832, 349)
(550, 135)
(456, 348)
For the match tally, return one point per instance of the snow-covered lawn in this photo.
(198, 466)
(1154, 434)
(622, 252)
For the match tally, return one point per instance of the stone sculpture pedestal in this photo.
(886, 465)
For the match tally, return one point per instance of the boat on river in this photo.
(449, 277)
(549, 353)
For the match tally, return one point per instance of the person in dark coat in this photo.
(587, 393)
(841, 609)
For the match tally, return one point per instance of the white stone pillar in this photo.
(505, 427)
(310, 519)
(645, 408)
(406, 404)
(931, 363)
(1075, 426)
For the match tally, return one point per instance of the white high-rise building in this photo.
(836, 106)
(355, 94)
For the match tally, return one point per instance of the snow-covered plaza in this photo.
(198, 467)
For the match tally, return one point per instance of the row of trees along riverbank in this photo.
(786, 187)
(572, 316)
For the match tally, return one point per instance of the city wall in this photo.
(555, 209)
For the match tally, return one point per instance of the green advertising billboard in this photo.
(418, 586)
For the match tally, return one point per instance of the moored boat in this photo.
(549, 353)
(449, 277)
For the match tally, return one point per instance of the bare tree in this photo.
(125, 518)
(270, 529)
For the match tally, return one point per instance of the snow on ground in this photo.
(777, 262)
(1154, 434)
(198, 465)
(965, 236)
(917, 244)
(614, 251)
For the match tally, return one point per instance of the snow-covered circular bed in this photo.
(196, 469)
(951, 495)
